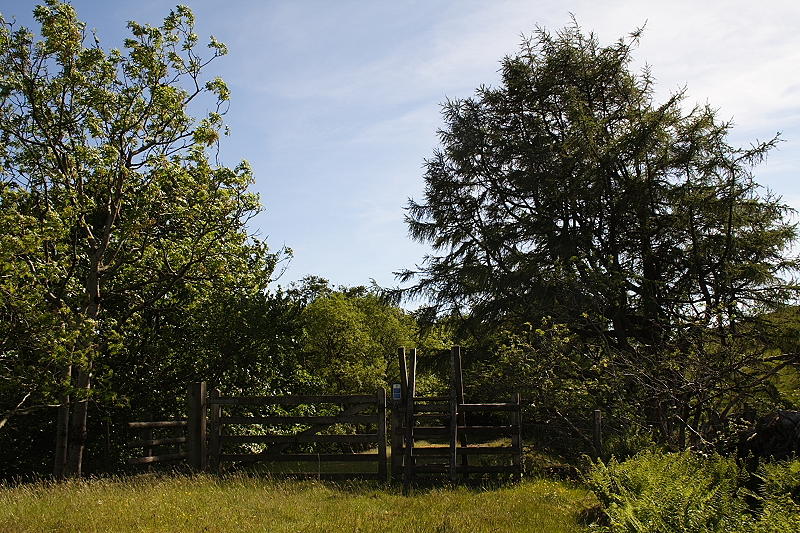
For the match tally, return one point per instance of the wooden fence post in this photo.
(408, 455)
(516, 436)
(458, 383)
(381, 399)
(597, 432)
(214, 432)
(198, 407)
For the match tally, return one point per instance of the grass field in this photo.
(248, 504)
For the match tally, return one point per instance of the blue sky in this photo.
(336, 103)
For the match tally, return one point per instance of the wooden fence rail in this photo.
(278, 437)
(149, 444)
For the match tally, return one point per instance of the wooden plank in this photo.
(487, 469)
(437, 451)
(381, 408)
(156, 442)
(431, 415)
(292, 439)
(516, 438)
(168, 457)
(431, 398)
(301, 457)
(215, 430)
(453, 431)
(408, 456)
(397, 430)
(433, 408)
(498, 430)
(296, 399)
(401, 357)
(316, 428)
(431, 431)
(445, 469)
(158, 424)
(458, 384)
(198, 411)
(488, 407)
(283, 420)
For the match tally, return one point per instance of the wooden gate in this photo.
(443, 421)
(351, 429)
(279, 433)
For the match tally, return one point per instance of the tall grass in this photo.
(246, 504)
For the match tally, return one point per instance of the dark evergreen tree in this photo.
(569, 192)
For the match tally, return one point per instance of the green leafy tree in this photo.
(110, 202)
(352, 336)
(569, 192)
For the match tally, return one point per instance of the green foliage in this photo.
(351, 336)
(685, 492)
(568, 193)
(119, 232)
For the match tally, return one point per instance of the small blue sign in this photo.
(396, 392)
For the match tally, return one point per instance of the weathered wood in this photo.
(432, 408)
(148, 443)
(381, 408)
(445, 469)
(214, 431)
(401, 359)
(316, 428)
(302, 457)
(397, 430)
(488, 407)
(198, 407)
(432, 415)
(408, 457)
(431, 398)
(441, 451)
(432, 431)
(296, 399)
(307, 420)
(453, 430)
(158, 424)
(158, 458)
(458, 385)
(292, 439)
(516, 438)
(490, 430)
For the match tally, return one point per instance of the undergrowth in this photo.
(657, 492)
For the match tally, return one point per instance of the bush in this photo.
(687, 492)
(656, 492)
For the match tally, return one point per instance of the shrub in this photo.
(685, 492)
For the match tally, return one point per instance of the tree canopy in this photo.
(569, 194)
(111, 206)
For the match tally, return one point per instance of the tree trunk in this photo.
(62, 431)
(77, 426)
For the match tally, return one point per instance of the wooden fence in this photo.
(284, 432)
(162, 441)
(442, 421)
(224, 430)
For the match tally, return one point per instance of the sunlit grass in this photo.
(244, 504)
